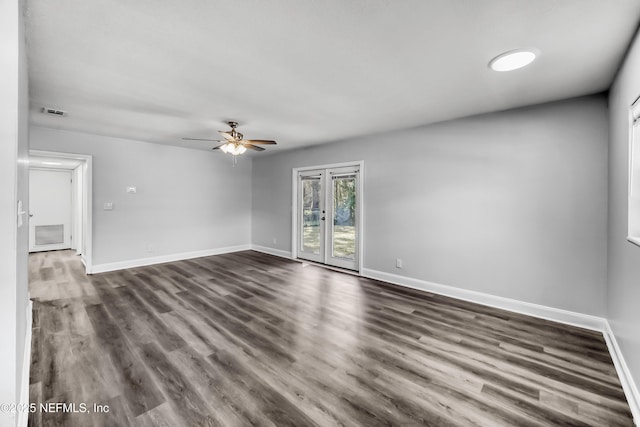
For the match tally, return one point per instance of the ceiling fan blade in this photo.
(217, 147)
(200, 139)
(253, 147)
(260, 141)
(227, 135)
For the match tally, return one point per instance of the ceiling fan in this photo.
(234, 142)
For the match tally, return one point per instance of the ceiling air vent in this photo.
(53, 112)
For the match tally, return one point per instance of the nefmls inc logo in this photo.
(75, 408)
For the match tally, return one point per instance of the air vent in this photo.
(49, 234)
(53, 112)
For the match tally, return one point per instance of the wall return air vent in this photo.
(53, 111)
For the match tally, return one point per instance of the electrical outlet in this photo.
(275, 241)
(150, 248)
(108, 206)
(398, 263)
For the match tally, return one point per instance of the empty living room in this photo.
(338, 213)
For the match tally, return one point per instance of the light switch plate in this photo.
(132, 190)
(108, 206)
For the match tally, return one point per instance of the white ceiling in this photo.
(308, 72)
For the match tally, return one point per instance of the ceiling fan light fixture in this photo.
(234, 142)
(513, 60)
(235, 149)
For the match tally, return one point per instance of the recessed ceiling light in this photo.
(52, 163)
(512, 60)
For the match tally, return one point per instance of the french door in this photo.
(328, 208)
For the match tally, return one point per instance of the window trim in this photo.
(633, 218)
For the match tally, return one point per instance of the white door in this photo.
(49, 210)
(311, 215)
(328, 216)
(342, 217)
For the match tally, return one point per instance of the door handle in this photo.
(30, 215)
(322, 218)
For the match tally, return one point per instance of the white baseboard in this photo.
(628, 384)
(23, 416)
(87, 270)
(549, 313)
(141, 262)
(271, 251)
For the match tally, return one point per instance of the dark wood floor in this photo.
(250, 339)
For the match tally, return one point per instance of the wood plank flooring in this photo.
(249, 339)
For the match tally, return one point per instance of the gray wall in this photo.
(187, 200)
(623, 309)
(14, 187)
(512, 204)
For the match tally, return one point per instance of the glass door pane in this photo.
(311, 214)
(311, 205)
(343, 236)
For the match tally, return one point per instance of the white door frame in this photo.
(87, 255)
(360, 210)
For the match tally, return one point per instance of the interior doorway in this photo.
(328, 215)
(60, 203)
(51, 208)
